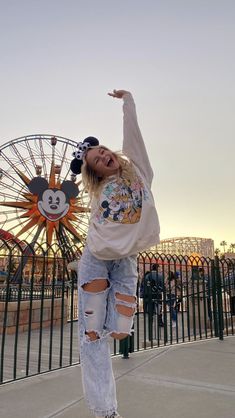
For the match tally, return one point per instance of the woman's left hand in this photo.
(118, 94)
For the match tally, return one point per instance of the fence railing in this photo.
(179, 298)
(11, 292)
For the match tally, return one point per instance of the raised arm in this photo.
(133, 144)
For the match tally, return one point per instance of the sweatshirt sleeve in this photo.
(133, 143)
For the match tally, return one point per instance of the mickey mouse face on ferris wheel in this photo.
(53, 203)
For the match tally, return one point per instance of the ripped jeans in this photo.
(103, 313)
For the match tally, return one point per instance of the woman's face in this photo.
(102, 161)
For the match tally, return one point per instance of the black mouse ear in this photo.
(69, 188)
(92, 141)
(38, 185)
(76, 165)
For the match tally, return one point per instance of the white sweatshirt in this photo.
(124, 219)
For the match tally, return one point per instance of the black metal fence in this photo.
(180, 299)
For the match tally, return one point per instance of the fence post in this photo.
(124, 347)
(214, 299)
(219, 298)
(127, 345)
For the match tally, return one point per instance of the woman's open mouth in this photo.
(109, 161)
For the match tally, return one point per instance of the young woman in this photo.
(123, 222)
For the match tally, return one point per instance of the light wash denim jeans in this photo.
(97, 312)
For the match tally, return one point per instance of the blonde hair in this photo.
(94, 184)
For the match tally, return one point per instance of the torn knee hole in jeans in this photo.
(124, 321)
(89, 313)
(92, 335)
(96, 286)
(125, 298)
(126, 304)
(125, 310)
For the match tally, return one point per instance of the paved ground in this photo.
(195, 380)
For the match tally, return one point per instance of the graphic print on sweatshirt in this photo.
(121, 201)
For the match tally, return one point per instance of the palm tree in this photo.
(223, 244)
(232, 246)
(217, 251)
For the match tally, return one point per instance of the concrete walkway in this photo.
(195, 380)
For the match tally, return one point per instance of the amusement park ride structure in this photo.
(42, 203)
(187, 246)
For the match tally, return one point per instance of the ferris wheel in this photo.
(41, 201)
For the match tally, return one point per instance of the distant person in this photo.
(123, 222)
(152, 286)
(204, 277)
(172, 299)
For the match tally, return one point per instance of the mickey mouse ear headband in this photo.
(79, 154)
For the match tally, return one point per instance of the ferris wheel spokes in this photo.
(43, 160)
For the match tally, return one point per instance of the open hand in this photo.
(118, 94)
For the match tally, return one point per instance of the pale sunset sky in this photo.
(59, 58)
